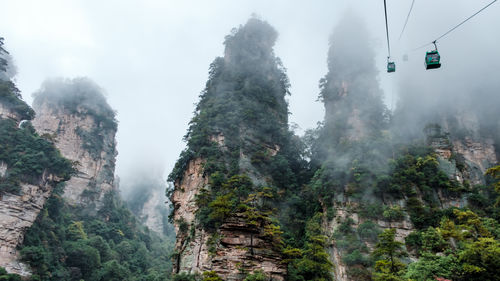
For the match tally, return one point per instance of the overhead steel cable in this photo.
(455, 27)
(465, 20)
(418, 48)
(387, 30)
(406, 22)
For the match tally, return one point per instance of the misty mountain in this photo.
(398, 180)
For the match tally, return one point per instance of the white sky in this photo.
(152, 57)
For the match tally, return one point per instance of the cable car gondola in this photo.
(391, 66)
(432, 58)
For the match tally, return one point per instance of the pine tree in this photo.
(388, 251)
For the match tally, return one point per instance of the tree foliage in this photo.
(388, 253)
(10, 97)
(314, 263)
(28, 157)
(65, 243)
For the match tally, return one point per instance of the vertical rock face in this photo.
(465, 150)
(17, 214)
(143, 188)
(344, 211)
(237, 249)
(76, 115)
(474, 147)
(240, 123)
(153, 211)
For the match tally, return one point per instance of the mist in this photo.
(152, 60)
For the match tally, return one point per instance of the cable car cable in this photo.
(387, 29)
(465, 20)
(418, 48)
(446, 33)
(406, 22)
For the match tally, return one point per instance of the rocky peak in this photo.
(241, 121)
(350, 90)
(250, 44)
(76, 115)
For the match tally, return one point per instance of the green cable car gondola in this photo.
(391, 67)
(432, 58)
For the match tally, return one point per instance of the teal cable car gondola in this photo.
(391, 66)
(432, 58)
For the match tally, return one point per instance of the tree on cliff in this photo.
(494, 172)
(388, 251)
(3, 61)
(314, 264)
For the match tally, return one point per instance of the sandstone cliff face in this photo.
(17, 214)
(478, 155)
(183, 200)
(236, 249)
(464, 153)
(73, 133)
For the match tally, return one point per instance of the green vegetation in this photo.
(415, 175)
(185, 277)
(211, 276)
(66, 244)
(388, 252)
(311, 263)
(463, 247)
(3, 61)
(256, 276)
(4, 276)
(28, 157)
(10, 97)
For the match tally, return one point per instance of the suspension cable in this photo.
(447, 32)
(406, 22)
(387, 30)
(465, 20)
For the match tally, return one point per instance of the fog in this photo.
(152, 58)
